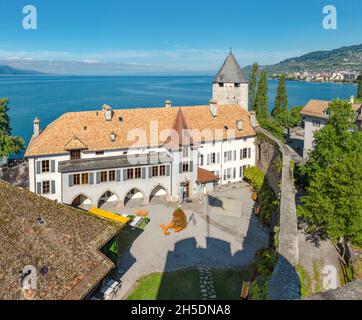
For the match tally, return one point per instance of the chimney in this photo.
(213, 107)
(113, 137)
(168, 104)
(351, 100)
(107, 110)
(252, 118)
(239, 124)
(36, 124)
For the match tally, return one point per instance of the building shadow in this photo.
(215, 202)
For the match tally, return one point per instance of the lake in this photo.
(48, 97)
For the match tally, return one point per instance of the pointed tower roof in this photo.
(230, 72)
(180, 133)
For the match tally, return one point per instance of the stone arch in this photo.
(82, 201)
(133, 198)
(159, 194)
(109, 197)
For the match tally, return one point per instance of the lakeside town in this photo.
(217, 190)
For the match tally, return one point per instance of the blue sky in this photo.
(119, 36)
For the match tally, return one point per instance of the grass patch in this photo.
(317, 277)
(306, 289)
(228, 283)
(179, 285)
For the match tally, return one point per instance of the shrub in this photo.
(255, 177)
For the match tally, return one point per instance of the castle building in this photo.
(92, 157)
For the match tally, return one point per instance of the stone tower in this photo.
(230, 85)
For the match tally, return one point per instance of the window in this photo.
(76, 179)
(75, 154)
(228, 173)
(237, 85)
(99, 153)
(162, 171)
(112, 175)
(228, 156)
(185, 152)
(155, 171)
(137, 173)
(46, 187)
(201, 160)
(85, 178)
(221, 84)
(316, 123)
(244, 153)
(45, 166)
(213, 158)
(185, 167)
(103, 176)
(130, 174)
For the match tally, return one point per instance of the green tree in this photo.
(253, 85)
(333, 203)
(261, 101)
(359, 87)
(281, 98)
(8, 144)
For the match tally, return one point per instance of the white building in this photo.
(118, 155)
(315, 115)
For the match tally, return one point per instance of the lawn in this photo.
(185, 285)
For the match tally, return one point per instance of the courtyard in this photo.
(222, 233)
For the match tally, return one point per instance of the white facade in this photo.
(311, 125)
(231, 93)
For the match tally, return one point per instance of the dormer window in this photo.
(75, 154)
(113, 137)
(120, 119)
(326, 112)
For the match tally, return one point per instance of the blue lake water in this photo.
(48, 97)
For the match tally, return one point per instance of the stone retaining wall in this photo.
(284, 283)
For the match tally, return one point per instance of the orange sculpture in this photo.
(178, 223)
(142, 213)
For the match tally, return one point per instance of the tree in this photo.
(359, 87)
(8, 144)
(333, 203)
(253, 85)
(281, 99)
(261, 101)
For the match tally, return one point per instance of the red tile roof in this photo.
(205, 176)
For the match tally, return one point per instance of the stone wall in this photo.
(284, 283)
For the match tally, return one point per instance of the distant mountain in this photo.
(10, 71)
(345, 58)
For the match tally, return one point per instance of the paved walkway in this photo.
(208, 242)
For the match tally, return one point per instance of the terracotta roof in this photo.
(230, 72)
(94, 132)
(205, 176)
(67, 244)
(182, 136)
(316, 108)
(75, 144)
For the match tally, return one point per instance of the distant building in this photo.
(50, 247)
(91, 158)
(315, 115)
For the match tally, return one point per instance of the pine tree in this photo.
(4, 117)
(281, 99)
(359, 88)
(261, 101)
(253, 85)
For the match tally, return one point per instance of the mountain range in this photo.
(347, 58)
(10, 71)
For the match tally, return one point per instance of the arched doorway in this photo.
(108, 201)
(158, 195)
(134, 198)
(82, 202)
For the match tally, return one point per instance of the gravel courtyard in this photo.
(222, 233)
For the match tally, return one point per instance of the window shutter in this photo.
(218, 157)
(38, 187)
(149, 172)
(241, 154)
(208, 159)
(241, 172)
(234, 155)
(225, 156)
(234, 173)
(224, 174)
(91, 178)
(167, 171)
(70, 180)
(38, 167)
(191, 166)
(124, 174)
(143, 173)
(180, 167)
(98, 177)
(118, 175)
(52, 166)
(53, 186)
(249, 153)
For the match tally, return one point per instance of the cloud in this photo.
(178, 58)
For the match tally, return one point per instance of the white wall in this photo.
(309, 129)
(229, 94)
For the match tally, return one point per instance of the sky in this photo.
(168, 36)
